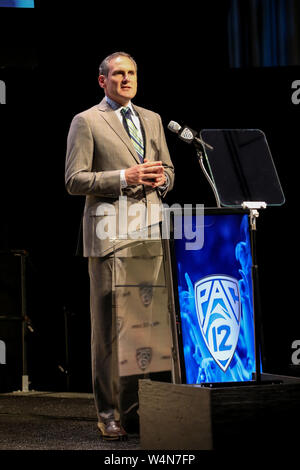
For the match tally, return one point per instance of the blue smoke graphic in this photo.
(226, 251)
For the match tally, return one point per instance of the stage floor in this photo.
(53, 421)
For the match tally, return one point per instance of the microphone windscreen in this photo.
(174, 126)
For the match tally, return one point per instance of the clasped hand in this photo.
(148, 173)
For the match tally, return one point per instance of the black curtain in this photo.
(263, 33)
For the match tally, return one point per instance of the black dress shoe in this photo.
(112, 431)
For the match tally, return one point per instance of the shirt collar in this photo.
(116, 106)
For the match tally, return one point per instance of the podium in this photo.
(141, 308)
(220, 392)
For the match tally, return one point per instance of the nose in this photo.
(125, 78)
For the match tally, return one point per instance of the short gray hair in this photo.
(104, 66)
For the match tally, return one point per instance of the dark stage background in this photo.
(49, 62)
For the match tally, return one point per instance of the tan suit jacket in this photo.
(98, 147)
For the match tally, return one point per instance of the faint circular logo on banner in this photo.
(143, 357)
(146, 294)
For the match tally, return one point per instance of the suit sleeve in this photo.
(80, 179)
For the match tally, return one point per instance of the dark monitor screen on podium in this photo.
(242, 167)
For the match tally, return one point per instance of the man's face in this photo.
(121, 82)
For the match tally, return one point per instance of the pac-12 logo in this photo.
(218, 307)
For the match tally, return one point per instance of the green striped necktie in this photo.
(134, 133)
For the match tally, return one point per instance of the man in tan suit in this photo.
(104, 163)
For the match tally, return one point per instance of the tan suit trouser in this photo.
(103, 338)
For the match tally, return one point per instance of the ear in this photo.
(101, 80)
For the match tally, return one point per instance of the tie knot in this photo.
(126, 111)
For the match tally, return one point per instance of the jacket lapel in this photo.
(114, 122)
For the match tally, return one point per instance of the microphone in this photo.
(187, 134)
